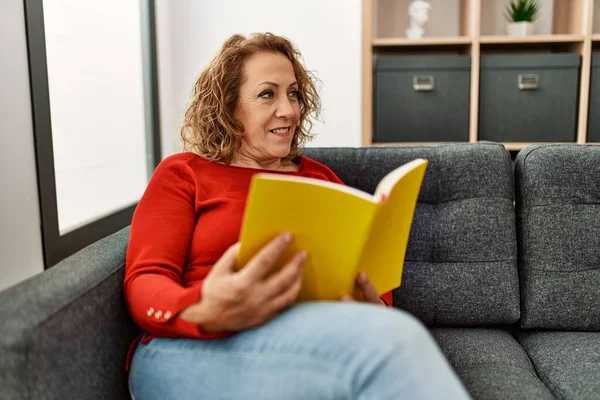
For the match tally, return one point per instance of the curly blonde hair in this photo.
(210, 128)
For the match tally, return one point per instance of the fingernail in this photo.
(287, 237)
(302, 255)
(362, 277)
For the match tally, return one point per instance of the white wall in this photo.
(20, 235)
(327, 33)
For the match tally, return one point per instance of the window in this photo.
(95, 111)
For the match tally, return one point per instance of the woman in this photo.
(214, 333)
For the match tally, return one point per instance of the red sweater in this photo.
(190, 213)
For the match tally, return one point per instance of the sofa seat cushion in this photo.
(567, 362)
(491, 363)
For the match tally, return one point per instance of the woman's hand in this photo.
(364, 291)
(235, 300)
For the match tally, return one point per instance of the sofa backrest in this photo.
(558, 220)
(461, 261)
(65, 333)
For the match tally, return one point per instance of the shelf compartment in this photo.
(447, 19)
(545, 85)
(557, 17)
(420, 94)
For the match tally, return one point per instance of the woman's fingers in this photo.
(260, 265)
(368, 291)
(286, 277)
(286, 298)
(226, 264)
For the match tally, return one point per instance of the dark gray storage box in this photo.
(529, 97)
(421, 98)
(594, 110)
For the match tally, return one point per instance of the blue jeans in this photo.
(325, 350)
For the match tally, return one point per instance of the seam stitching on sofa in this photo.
(551, 386)
(530, 363)
(532, 372)
(434, 258)
(467, 199)
(433, 146)
(560, 205)
(487, 364)
(462, 262)
(564, 270)
(28, 368)
(520, 269)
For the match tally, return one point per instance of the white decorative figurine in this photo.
(418, 11)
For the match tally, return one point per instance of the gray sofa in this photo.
(503, 265)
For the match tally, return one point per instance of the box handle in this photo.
(529, 81)
(423, 83)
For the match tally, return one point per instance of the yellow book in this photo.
(343, 230)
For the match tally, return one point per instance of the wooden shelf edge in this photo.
(402, 144)
(437, 41)
(514, 146)
(501, 39)
(511, 146)
(487, 39)
(596, 37)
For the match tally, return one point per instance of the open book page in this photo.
(319, 182)
(327, 221)
(383, 254)
(388, 182)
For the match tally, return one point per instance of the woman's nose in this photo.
(284, 109)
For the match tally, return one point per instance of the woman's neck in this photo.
(275, 164)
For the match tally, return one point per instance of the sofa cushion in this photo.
(460, 266)
(491, 363)
(558, 220)
(567, 362)
(65, 333)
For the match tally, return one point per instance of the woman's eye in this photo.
(267, 94)
(295, 94)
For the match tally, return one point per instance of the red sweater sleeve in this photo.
(161, 229)
(387, 299)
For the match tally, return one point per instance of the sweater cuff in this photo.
(387, 298)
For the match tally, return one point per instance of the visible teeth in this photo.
(281, 130)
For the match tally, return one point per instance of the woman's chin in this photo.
(281, 154)
(280, 151)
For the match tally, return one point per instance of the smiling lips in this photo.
(281, 132)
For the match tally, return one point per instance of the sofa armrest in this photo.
(65, 332)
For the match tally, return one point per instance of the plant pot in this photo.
(520, 28)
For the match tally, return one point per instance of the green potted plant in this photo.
(521, 16)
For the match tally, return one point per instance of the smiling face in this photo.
(268, 108)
